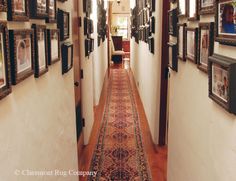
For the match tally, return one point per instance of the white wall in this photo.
(201, 134)
(37, 123)
(146, 68)
(94, 68)
(123, 7)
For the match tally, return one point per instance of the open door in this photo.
(77, 81)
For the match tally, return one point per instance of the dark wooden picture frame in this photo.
(152, 24)
(196, 14)
(185, 11)
(22, 14)
(222, 84)
(36, 10)
(181, 38)
(172, 23)
(53, 36)
(205, 44)
(5, 69)
(193, 44)
(206, 9)
(40, 34)
(87, 6)
(63, 26)
(21, 68)
(67, 57)
(225, 32)
(50, 18)
(173, 56)
(151, 45)
(3, 5)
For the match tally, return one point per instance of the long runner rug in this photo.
(119, 154)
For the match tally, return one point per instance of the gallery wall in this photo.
(146, 68)
(201, 145)
(37, 121)
(94, 69)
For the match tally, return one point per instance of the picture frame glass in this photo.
(19, 6)
(182, 7)
(23, 53)
(54, 46)
(226, 18)
(192, 8)
(204, 46)
(3, 81)
(170, 57)
(42, 6)
(207, 3)
(66, 23)
(220, 81)
(52, 13)
(69, 57)
(180, 41)
(41, 49)
(191, 44)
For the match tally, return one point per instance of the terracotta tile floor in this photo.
(157, 156)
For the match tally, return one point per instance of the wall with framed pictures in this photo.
(30, 107)
(202, 95)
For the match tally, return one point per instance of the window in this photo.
(122, 27)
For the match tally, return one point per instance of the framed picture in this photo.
(67, 57)
(205, 44)
(87, 48)
(151, 44)
(5, 82)
(193, 10)
(53, 46)
(41, 61)
(182, 8)
(173, 56)
(63, 23)
(3, 5)
(152, 24)
(38, 9)
(222, 84)
(173, 19)
(206, 7)
(181, 38)
(87, 6)
(225, 22)
(52, 11)
(191, 44)
(18, 10)
(22, 54)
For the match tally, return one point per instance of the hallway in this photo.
(121, 147)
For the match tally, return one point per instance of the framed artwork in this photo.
(91, 45)
(3, 5)
(151, 44)
(18, 10)
(152, 24)
(222, 84)
(22, 54)
(206, 7)
(173, 19)
(225, 27)
(181, 38)
(182, 8)
(193, 10)
(191, 44)
(53, 46)
(173, 56)
(87, 6)
(87, 48)
(38, 9)
(85, 25)
(5, 82)
(205, 44)
(67, 57)
(41, 61)
(52, 11)
(63, 23)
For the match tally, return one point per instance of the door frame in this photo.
(164, 76)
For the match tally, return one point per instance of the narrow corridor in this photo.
(121, 147)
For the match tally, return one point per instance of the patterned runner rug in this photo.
(119, 154)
